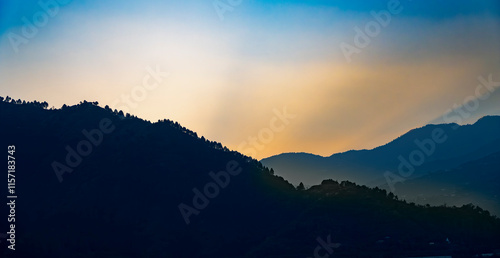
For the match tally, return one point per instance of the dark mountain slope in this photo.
(122, 199)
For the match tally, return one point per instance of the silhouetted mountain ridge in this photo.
(122, 199)
(463, 143)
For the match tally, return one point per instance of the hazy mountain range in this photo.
(465, 158)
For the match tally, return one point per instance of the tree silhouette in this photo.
(390, 195)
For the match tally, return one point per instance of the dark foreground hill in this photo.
(91, 183)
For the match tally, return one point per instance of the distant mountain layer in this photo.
(419, 152)
(475, 182)
(91, 183)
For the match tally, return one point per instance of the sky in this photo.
(261, 77)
